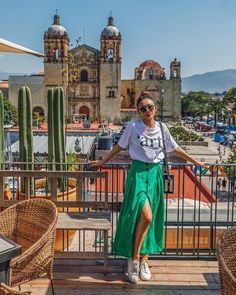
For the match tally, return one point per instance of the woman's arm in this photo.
(116, 149)
(182, 154)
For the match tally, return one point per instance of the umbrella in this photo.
(7, 46)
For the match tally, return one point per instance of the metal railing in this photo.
(196, 214)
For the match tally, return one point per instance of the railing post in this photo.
(79, 190)
(1, 189)
(211, 243)
(106, 191)
(54, 189)
(27, 187)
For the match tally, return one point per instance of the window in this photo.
(84, 76)
(56, 55)
(111, 93)
(94, 92)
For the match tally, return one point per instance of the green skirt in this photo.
(144, 180)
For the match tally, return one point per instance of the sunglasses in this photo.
(149, 107)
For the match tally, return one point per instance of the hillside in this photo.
(211, 82)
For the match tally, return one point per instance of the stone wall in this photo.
(36, 85)
(127, 94)
(110, 81)
(172, 95)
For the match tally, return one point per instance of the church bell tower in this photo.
(56, 47)
(110, 71)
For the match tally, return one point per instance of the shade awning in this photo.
(7, 46)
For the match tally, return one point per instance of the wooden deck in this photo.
(75, 277)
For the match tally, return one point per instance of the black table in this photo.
(8, 250)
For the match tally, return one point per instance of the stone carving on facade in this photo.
(91, 58)
(84, 90)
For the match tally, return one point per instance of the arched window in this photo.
(84, 76)
(56, 54)
(38, 110)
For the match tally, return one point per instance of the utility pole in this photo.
(161, 104)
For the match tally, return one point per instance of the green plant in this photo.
(51, 151)
(68, 120)
(25, 132)
(181, 134)
(2, 159)
(10, 112)
(127, 118)
(73, 159)
(56, 131)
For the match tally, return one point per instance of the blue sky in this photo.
(201, 33)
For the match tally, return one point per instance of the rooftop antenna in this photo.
(56, 11)
(110, 13)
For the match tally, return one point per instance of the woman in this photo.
(140, 228)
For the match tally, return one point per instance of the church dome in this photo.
(149, 70)
(56, 29)
(110, 30)
(151, 64)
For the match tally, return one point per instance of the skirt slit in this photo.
(144, 182)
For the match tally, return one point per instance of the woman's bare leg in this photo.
(145, 257)
(141, 229)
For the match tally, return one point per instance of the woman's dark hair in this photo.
(144, 95)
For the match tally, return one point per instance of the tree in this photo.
(230, 97)
(217, 105)
(196, 103)
(231, 170)
(10, 113)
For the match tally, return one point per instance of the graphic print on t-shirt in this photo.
(153, 144)
(146, 144)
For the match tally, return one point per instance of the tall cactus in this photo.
(56, 131)
(51, 150)
(25, 131)
(2, 158)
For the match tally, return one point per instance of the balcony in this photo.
(170, 277)
(196, 213)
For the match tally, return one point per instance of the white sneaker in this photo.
(145, 274)
(133, 270)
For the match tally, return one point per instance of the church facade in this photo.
(91, 78)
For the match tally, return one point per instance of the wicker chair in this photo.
(5, 290)
(31, 224)
(226, 255)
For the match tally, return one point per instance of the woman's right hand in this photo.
(96, 163)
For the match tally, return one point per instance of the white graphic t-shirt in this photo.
(145, 144)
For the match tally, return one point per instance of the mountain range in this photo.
(212, 82)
